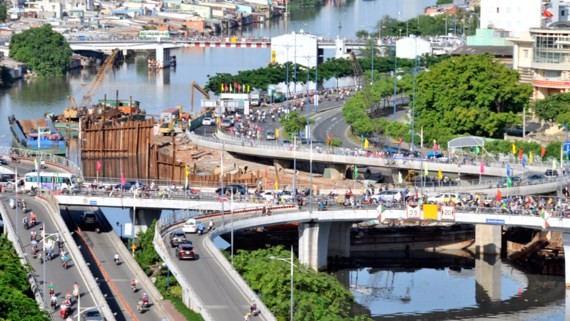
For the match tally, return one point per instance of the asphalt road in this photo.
(50, 271)
(103, 248)
(224, 299)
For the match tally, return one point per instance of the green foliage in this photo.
(5, 77)
(553, 107)
(45, 51)
(336, 142)
(3, 10)
(16, 300)
(293, 123)
(317, 296)
(145, 253)
(428, 25)
(468, 95)
(496, 146)
(261, 78)
(439, 2)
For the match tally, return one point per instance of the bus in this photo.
(7, 177)
(64, 182)
(156, 35)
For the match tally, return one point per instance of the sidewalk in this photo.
(171, 313)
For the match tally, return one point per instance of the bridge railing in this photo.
(32, 155)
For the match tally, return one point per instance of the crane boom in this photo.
(200, 89)
(98, 78)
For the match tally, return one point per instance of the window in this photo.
(497, 9)
(552, 74)
(562, 13)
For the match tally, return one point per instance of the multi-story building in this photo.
(542, 57)
(515, 16)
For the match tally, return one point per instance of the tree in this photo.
(553, 106)
(3, 11)
(469, 95)
(45, 51)
(440, 2)
(293, 123)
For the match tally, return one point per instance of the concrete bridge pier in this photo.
(567, 262)
(488, 239)
(143, 217)
(335, 171)
(318, 241)
(163, 55)
(488, 278)
(280, 165)
(340, 47)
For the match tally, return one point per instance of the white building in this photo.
(412, 47)
(300, 48)
(516, 16)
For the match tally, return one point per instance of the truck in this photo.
(255, 99)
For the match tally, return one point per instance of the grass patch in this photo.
(188, 314)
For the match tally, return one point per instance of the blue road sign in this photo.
(566, 148)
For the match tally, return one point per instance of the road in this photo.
(103, 246)
(50, 271)
(223, 298)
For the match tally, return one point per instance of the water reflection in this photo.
(469, 289)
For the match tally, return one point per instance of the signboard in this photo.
(566, 148)
(430, 211)
(494, 221)
(128, 229)
(413, 212)
(92, 202)
(448, 213)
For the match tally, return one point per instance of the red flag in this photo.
(482, 169)
(98, 166)
(235, 85)
(499, 195)
(123, 180)
(520, 153)
(542, 151)
(227, 89)
(547, 14)
(434, 147)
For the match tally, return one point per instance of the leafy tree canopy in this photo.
(293, 123)
(468, 95)
(318, 296)
(553, 108)
(3, 10)
(45, 51)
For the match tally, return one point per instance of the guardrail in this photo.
(12, 236)
(189, 296)
(28, 154)
(51, 203)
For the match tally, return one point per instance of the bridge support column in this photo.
(281, 164)
(335, 171)
(488, 278)
(142, 218)
(339, 239)
(488, 239)
(163, 56)
(340, 47)
(313, 243)
(567, 260)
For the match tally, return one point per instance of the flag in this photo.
(426, 169)
(482, 168)
(509, 182)
(524, 162)
(547, 14)
(553, 164)
(36, 164)
(545, 216)
(530, 158)
(400, 180)
(98, 166)
(380, 210)
(276, 184)
(276, 132)
(123, 180)
(366, 143)
(400, 142)
(222, 89)
(231, 89)
(499, 195)
(248, 89)
(508, 170)
(514, 148)
(542, 151)
(440, 174)
(187, 170)
(355, 171)
(361, 139)
(520, 153)
(477, 150)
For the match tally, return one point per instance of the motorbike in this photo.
(141, 307)
(54, 303)
(134, 287)
(116, 259)
(115, 193)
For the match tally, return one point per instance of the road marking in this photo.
(217, 307)
(333, 119)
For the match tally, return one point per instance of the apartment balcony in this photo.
(544, 83)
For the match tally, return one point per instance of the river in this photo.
(404, 293)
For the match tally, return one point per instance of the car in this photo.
(92, 315)
(3, 161)
(385, 196)
(129, 184)
(185, 251)
(177, 237)
(227, 123)
(551, 173)
(535, 179)
(88, 217)
(444, 197)
(207, 121)
(268, 195)
(270, 135)
(191, 226)
(233, 188)
(515, 181)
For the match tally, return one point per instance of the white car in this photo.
(207, 121)
(385, 196)
(191, 226)
(444, 197)
(268, 195)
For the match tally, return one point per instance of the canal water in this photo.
(395, 291)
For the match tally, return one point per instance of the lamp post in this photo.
(290, 261)
(38, 159)
(120, 229)
(414, 92)
(167, 275)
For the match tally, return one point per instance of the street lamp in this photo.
(39, 159)
(121, 229)
(167, 275)
(290, 261)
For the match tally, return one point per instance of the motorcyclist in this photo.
(145, 299)
(210, 225)
(116, 258)
(133, 284)
(33, 218)
(53, 300)
(33, 235)
(25, 221)
(75, 289)
(51, 289)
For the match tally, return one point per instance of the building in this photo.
(412, 47)
(300, 48)
(516, 16)
(542, 57)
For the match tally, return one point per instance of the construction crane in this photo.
(96, 82)
(357, 69)
(197, 87)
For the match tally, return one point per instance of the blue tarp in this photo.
(390, 150)
(434, 154)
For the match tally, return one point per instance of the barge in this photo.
(37, 134)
